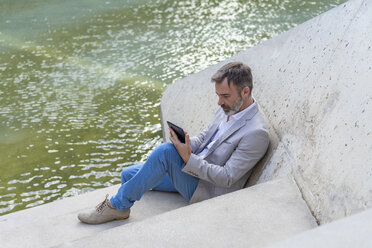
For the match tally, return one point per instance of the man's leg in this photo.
(164, 185)
(163, 160)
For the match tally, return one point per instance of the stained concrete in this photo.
(252, 217)
(56, 223)
(313, 83)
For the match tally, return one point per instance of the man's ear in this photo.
(246, 91)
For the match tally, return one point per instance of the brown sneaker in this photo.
(103, 213)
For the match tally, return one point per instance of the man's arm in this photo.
(248, 152)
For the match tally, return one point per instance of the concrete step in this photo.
(56, 223)
(352, 231)
(252, 217)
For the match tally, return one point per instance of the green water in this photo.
(81, 81)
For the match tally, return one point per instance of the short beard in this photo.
(235, 107)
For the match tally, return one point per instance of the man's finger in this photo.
(187, 139)
(173, 137)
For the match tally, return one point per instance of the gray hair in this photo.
(237, 73)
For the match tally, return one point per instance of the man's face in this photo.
(228, 97)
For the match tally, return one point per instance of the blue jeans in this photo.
(161, 171)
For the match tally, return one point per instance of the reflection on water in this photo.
(81, 81)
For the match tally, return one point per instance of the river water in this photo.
(81, 81)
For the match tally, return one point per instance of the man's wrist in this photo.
(186, 158)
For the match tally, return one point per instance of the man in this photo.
(217, 161)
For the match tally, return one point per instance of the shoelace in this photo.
(102, 205)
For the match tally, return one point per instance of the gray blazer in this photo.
(229, 162)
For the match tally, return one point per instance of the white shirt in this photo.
(223, 127)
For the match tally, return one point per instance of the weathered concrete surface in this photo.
(336, 234)
(314, 83)
(56, 223)
(251, 217)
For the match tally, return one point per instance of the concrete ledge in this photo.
(56, 223)
(251, 217)
(352, 231)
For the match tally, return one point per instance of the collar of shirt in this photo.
(240, 114)
(223, 127)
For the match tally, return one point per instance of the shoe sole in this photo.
(123, 218)
(97, 223)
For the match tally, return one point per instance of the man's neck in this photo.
(246, 104)
(249, 103)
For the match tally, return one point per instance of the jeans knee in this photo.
(167, 147)
(166, 154)
(125, 175)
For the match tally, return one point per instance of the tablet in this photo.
(179, 131)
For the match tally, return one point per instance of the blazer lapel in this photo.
(240, 123)
(210, 134)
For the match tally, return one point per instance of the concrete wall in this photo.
(314, 83)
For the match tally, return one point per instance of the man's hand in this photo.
(184, 149)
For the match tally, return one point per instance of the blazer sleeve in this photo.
(248, 152)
